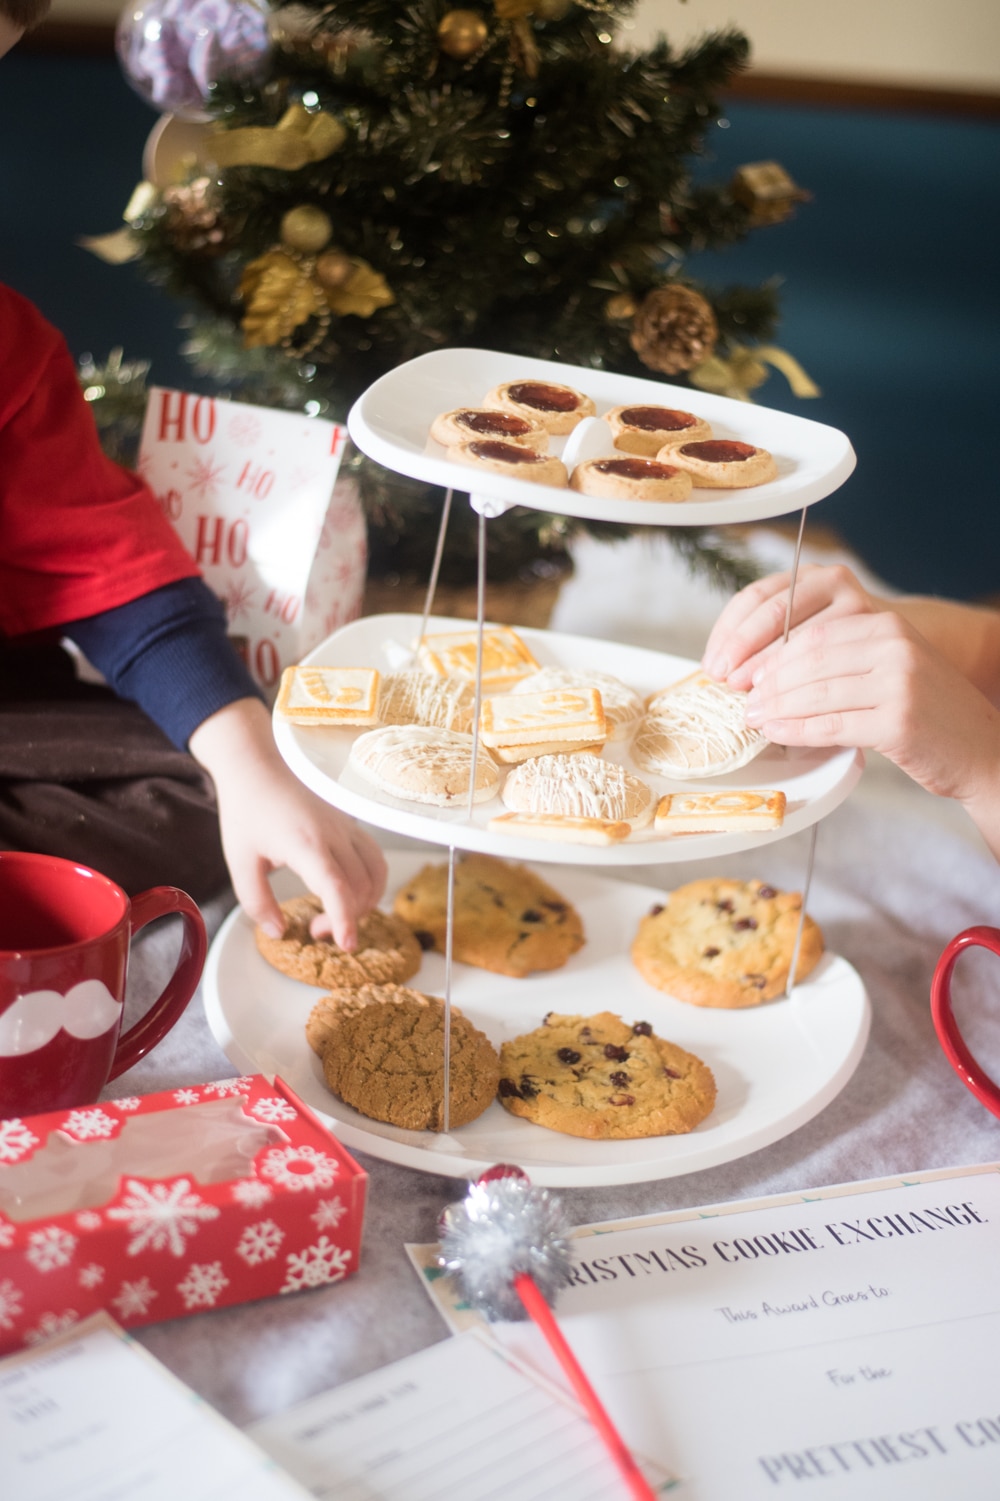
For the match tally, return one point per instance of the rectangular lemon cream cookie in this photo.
(727, 811)
(329, 695)
(556, 826)
(506, 658)
(512, 754)
(559, 717)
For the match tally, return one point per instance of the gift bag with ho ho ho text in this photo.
(255, 497)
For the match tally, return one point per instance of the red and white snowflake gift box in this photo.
(169, 1204)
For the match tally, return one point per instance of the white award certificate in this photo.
(842, 1343)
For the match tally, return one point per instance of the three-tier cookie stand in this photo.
(776, 1065)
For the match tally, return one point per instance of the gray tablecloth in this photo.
(896, 875)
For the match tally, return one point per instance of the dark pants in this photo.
(89, 777)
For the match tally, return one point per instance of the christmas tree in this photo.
(390, 177)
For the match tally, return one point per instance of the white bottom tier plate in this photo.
(815, 781)
(775, 1066)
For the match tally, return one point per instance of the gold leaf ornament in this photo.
(280, 295)
(363, 293)
(298, 138)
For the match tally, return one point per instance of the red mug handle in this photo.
(167, 1009)
(949, 1036)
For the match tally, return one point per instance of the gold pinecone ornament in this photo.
(673, 329)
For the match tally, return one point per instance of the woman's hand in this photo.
(269, 819)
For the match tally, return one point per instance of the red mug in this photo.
(956, 1050)
(65, 935)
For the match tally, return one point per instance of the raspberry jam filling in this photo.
(505, 453)
(494, 422)
(658, 419)
(546, 398)
(720, 451)
(635, 468)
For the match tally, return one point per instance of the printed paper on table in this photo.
(254, 495)
(842, 1343)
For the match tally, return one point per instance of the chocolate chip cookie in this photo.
(506, 918)
(725, 943)
(386, 1061)
(386, 951)
(598, 1077)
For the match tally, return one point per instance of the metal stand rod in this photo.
(795, 574)
(449, 928)
(435, 566)
(802, 914)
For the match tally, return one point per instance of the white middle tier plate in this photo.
(391, 423)
(814, 781)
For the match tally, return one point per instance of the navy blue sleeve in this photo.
(168, 652)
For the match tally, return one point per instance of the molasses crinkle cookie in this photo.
(725, 943)
(598, 1077)
(722, 463)
(505, 917)
(329, 1011)
(631, 478)
(580, 786)
(386, 1061)
(424, 765)
(558, 408)
(648, 429)
(513, 459)
(386, 951)
(696, 728)
(466, 424)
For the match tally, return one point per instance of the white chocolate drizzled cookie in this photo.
(696, 728)
(412, 696)
(424, 765)
(581, 786)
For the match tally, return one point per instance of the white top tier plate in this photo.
(391, 424)
(814, 781)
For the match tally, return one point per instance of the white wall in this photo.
(949, 44)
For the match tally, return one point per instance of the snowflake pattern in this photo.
(237, 596)
(204, 477)
(133, 1298)
(10, 1303)
(223, 1087)
(161, 1216)
(7, 1233)
(50, 1248)
(296, 1168)
(87, 1125)
(91, 1275)
(203, 1284)
(316, 1265)
(273, 1108)
(88, 1219)
(50, 1324)
(127, 1102)
(328, 1214)
(15, 1140)
(260, 1242)
(245, 429)
(186, 1096)
(251, 1193)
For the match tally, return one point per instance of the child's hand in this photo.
(269, 819)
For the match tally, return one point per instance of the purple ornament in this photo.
(172, 51)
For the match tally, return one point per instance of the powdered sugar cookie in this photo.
(558, 408)
(695, 728)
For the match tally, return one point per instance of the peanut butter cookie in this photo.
(386, 951)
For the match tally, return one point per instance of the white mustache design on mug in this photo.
(87, 1010)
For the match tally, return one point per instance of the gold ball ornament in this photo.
(461, 33)
(306, 229)
(620, 307)
(333, 268)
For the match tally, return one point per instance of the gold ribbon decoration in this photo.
(298, 138)
(282, 292)
(122, 245)
(745, 369)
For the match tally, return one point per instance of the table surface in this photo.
(897, 874)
